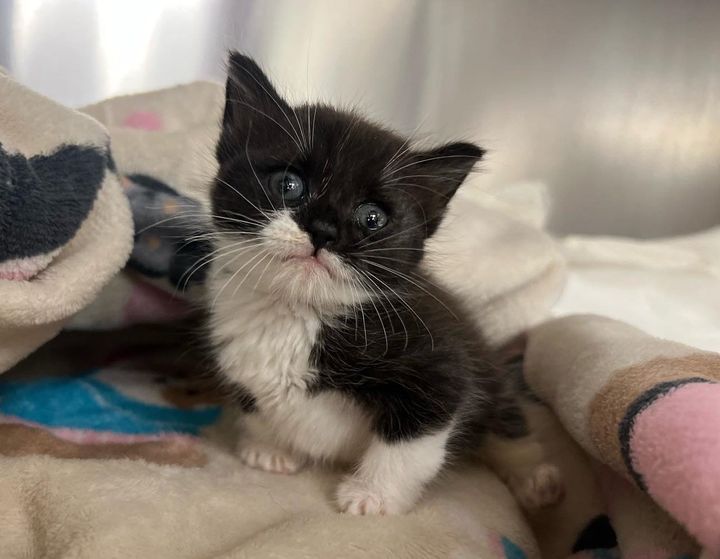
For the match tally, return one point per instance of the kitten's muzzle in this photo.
(322, 233)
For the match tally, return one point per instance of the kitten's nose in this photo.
(322, 233)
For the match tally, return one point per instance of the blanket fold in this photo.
(65, 224)
(646, 408)
(111, 447)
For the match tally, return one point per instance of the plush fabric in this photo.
(646, 409)
(101, 459)
(64, 221)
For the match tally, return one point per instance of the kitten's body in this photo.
(343, 350)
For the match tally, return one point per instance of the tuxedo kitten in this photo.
(341, 348)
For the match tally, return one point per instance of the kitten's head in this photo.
(319, 205)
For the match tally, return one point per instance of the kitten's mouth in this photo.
(312, 262)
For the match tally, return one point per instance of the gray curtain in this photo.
(613, 104)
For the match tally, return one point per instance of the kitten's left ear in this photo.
(441, 170)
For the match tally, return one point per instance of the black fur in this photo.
(417, 373)
(598, 534)
(412, 358)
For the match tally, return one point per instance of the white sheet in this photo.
(670, 287)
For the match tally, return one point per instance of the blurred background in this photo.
(614, 105)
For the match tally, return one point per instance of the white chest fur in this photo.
(265, 346)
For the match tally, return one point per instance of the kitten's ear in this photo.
(441, 171)
(250, 101)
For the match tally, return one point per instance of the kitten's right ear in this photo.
(249, 98)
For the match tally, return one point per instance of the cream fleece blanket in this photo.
(190, 498)
(74, 253)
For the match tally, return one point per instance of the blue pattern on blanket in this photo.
(92, 401)
(511, 549)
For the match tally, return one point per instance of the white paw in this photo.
(358, 497)
(542, 488)
(270, 459)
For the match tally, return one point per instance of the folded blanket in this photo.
(102, 459)
(647, 410)
(64, 221)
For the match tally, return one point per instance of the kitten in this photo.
(341, 349)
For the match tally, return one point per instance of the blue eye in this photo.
(289, 186)
(371, 217)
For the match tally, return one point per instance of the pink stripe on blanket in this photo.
(675, 447)
(148, 303)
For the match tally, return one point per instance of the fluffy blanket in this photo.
(113, 444)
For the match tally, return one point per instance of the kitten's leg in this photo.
(258, 450)
(520, 463)
(392, 475)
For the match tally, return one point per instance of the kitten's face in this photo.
(318, 205)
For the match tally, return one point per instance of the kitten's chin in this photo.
(313, 282)
(311, 265)
(293, 275)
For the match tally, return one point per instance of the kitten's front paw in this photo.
(357, 497)
(270, 459)
(544, 487)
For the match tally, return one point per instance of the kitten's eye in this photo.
(370, 217)
(289, 186)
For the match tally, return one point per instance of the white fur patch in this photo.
(391, 476)
(323, 427)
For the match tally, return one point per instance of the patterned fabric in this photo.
(170, 232)
(65, 225)
(647, 410)
(117, 404)
(44, 200)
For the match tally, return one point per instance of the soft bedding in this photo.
(113, 442)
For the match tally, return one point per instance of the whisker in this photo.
(234, 275)
(243, 197)
(262, 274)
(395, 185)
(372, 302)
(427, 160)
(413, 311)
(206, 219)
(212, 257)
(404, 148)
(252, 168)
(250, 271)
(389, 258)
(394, 249)
(406, 230)
(410, 280)
(373, 280)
